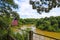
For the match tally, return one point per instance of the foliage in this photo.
(27, 21)
(44, 5)
(3, 34)
(6, 11)
(6, 16)
(23, 36)
(51, 24)
(20, 35)
(47, 23)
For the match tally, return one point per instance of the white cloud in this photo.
(25, 10)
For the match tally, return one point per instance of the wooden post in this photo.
(31, 35)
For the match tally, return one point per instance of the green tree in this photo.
(44, 5)
(5, 16)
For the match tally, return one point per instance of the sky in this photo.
(25, 10)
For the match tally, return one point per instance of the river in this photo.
(46, 33)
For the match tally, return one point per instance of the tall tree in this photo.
(6, 7)
(5, 14)
(44, 5)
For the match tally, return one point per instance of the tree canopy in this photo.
(6, 12)
(44, 5)
(6, 7)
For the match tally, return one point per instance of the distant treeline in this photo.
(47, 23)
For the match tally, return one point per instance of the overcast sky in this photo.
(25, 10)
